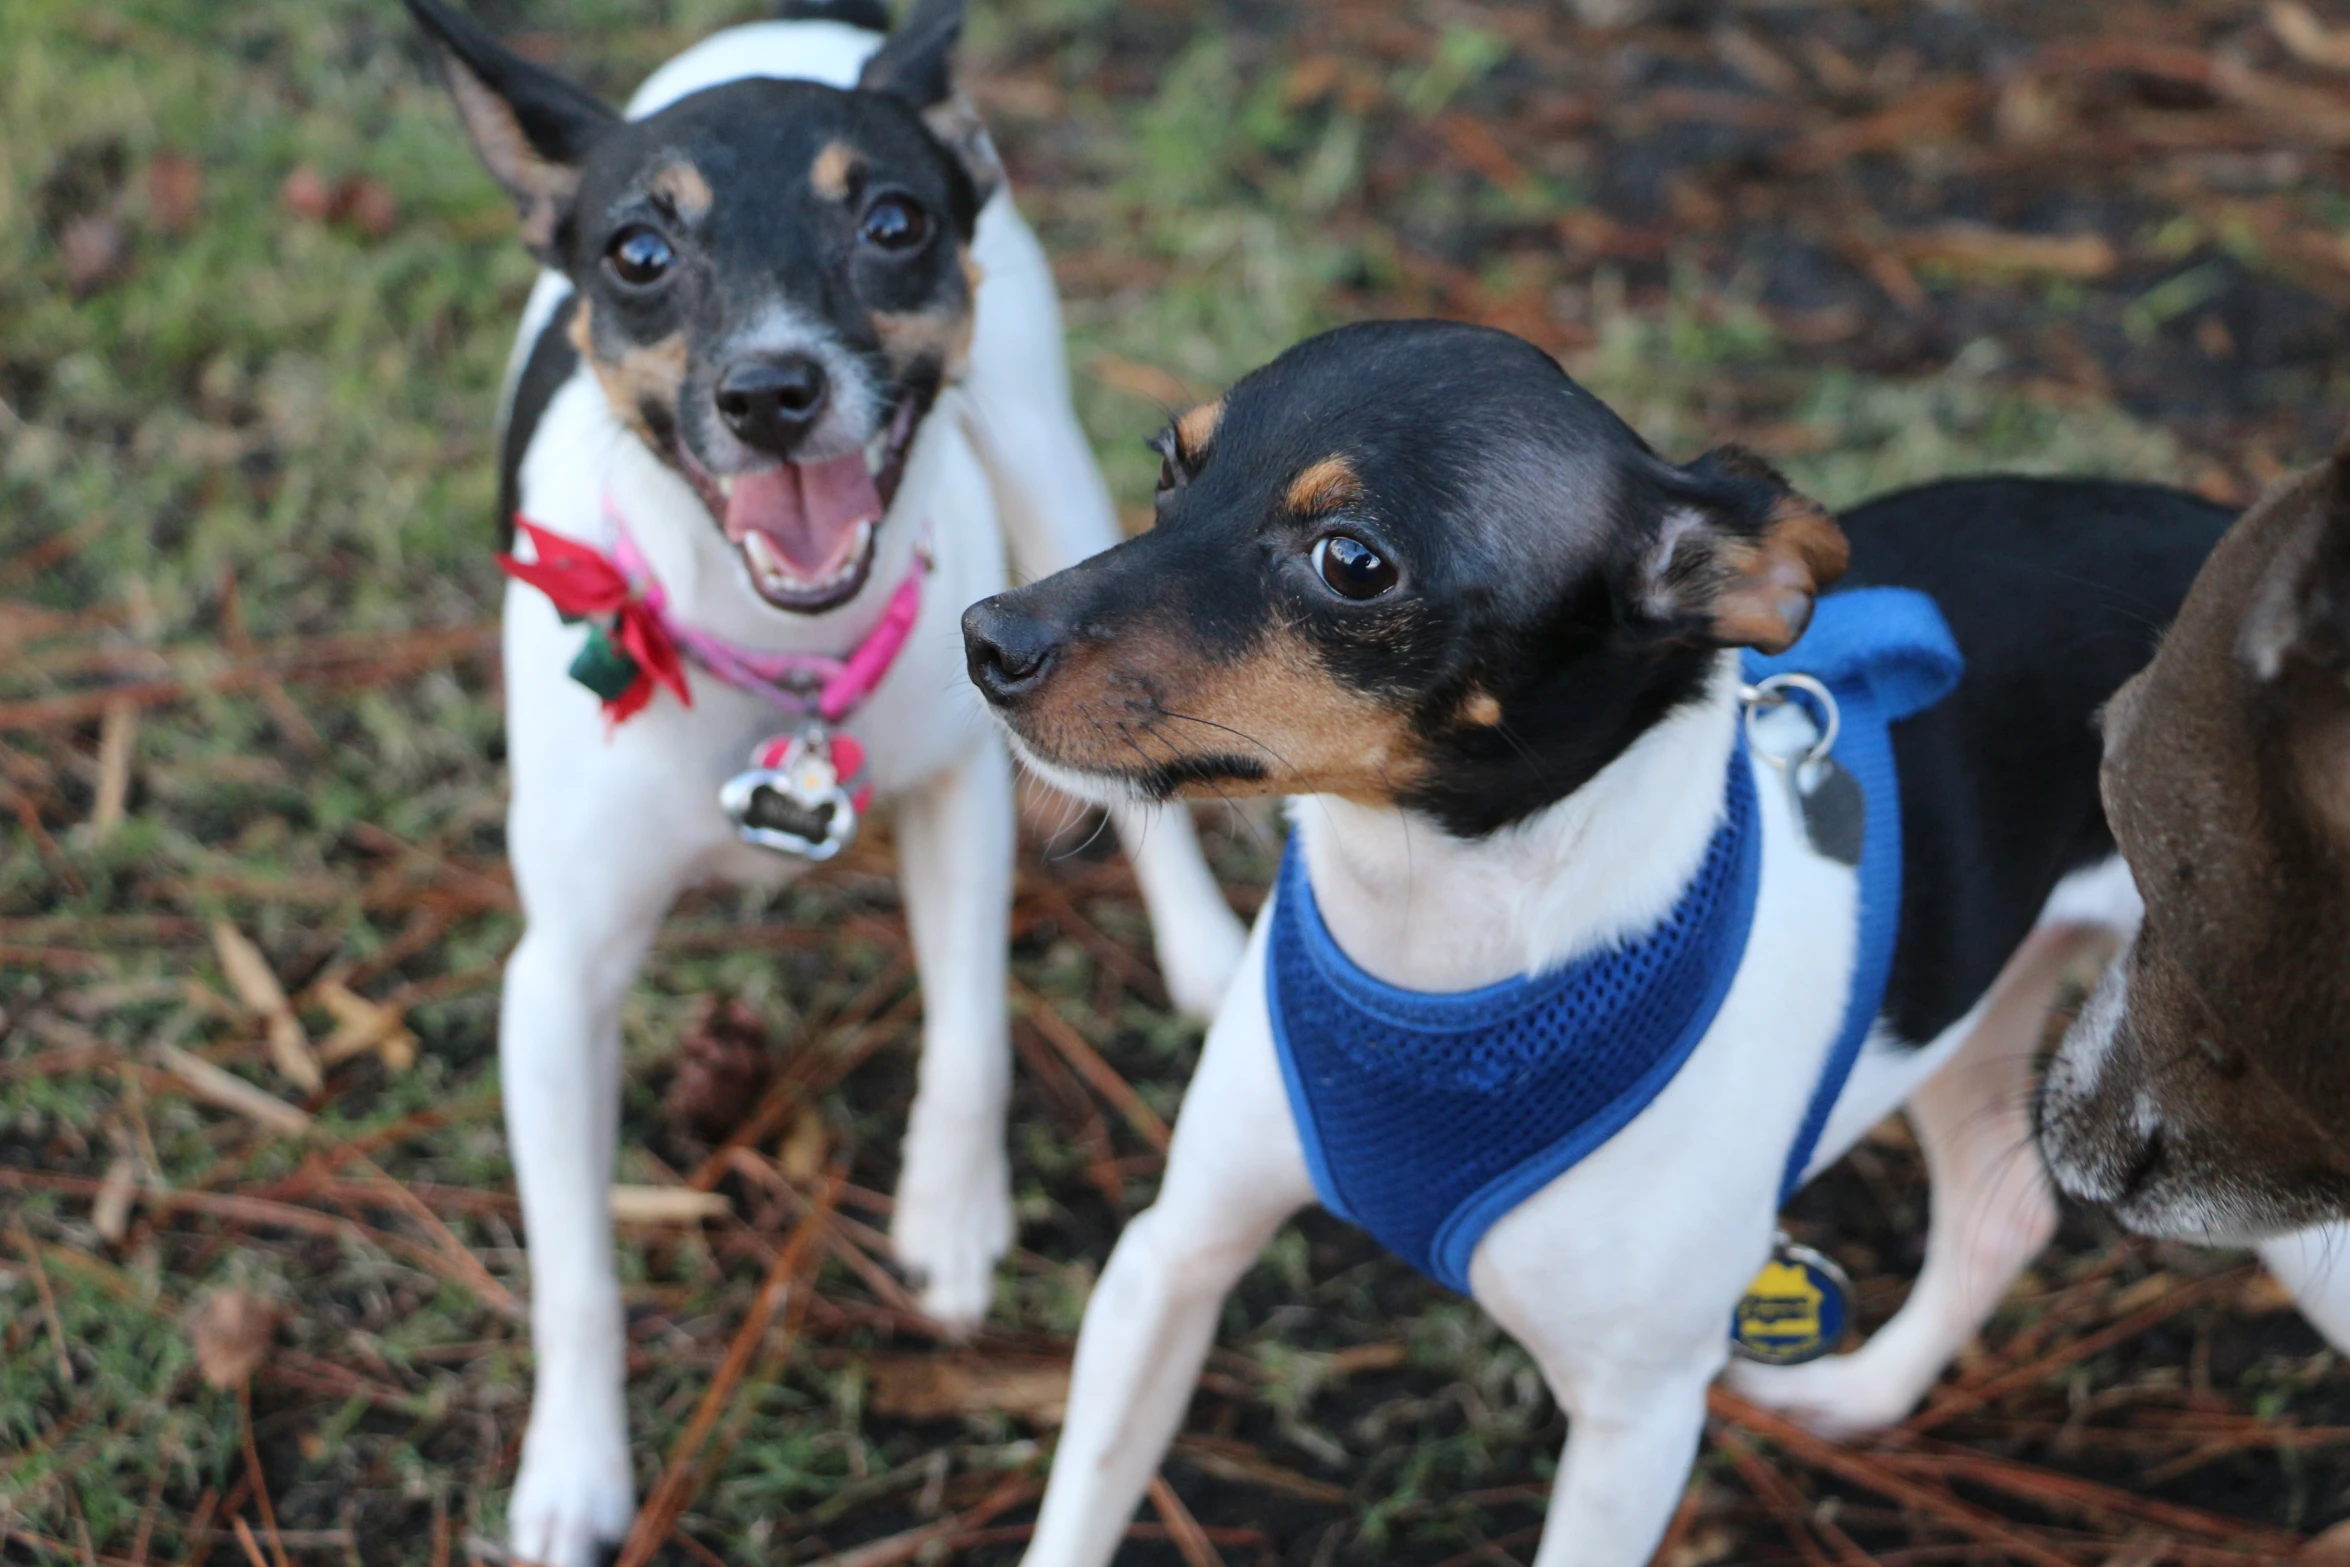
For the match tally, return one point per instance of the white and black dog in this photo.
(1564, 986)
(791, 383)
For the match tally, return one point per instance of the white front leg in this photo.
(1628, 1352)
(1056, 511)
(953, 1220)
(1631, 1439)
(595, 881)
(1234, 1174)
(1193, 932)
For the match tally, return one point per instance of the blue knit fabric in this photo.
(1426, 1117)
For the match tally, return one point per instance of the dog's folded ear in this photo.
(1737, 557)
(532, 128)
(917, 66)
(2299, 614)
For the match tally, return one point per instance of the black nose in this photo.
(1008, 653)
(770, 403)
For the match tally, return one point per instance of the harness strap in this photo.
(1885, 653)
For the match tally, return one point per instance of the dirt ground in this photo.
(254, 301)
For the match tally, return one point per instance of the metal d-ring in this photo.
(1771, 692)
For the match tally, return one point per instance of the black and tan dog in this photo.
(1414, 576)
(791, 387)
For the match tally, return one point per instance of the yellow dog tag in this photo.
(1796, 1309)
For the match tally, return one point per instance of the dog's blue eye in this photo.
(1352, 568)
(640, 256)
(894, 223)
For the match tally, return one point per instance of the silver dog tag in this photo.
(1827, 798)
(797, 795)
(1829, 803)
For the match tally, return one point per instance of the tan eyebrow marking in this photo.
(685, 189)
(1196, 429)
(1324, 487)
(1482, 708)
(832, 170)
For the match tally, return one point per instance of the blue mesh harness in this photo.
(1428, 1116)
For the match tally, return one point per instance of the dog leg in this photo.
(1632, 1437)
(1234, 1175)
(1056, 512)
(1993, 1211)
(2314, 1264)
(953, 1220)
(590, 922)
(1193, 933)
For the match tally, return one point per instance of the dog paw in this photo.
(1197, 959)
(575, 1498)
(949, 1234)
(1840, 1396)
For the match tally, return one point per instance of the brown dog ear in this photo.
(916, 66)
(1739, 557)
(2299, 613)
(532, 129)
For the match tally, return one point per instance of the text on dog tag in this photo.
(1796, 1309)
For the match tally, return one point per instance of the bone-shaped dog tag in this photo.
(794, 798)
(1829, 803)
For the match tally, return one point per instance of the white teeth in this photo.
(877, 452)
(726, 486)
(776, 577)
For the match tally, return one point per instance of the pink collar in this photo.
(797, 683)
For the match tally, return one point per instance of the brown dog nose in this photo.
(1008, 653)
(771, 403)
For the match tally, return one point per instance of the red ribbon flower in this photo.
(582, 581)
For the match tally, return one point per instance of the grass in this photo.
(255, 421)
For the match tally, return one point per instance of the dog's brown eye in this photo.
(1352, 568)
(640, 256)
(894, 223)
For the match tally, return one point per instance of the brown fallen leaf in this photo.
(666, 1205)
(1972, 248)
(95, 247)
(117, 731)
(367, 204)
(801, 1157)
(723, 1067)
(362, 1025)
(2310, 40)
(250, 976)
(1034, 1388)
(306, 194)
(217, 1086)
(231, 1333)
(175, 192)
(110, 1211)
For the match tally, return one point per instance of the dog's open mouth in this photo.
(807, 531)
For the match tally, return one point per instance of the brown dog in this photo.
(2204, 1094)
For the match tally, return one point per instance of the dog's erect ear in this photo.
(916, 65)
(532, 128)
(2299, 614)
(1738, 557)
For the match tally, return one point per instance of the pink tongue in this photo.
(809, 512)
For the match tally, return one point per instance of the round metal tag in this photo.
(1797, 1308)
